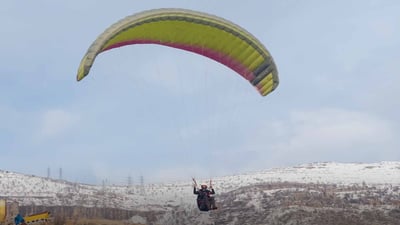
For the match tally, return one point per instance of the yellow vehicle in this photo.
(3, 211)
(9, 210)
(38, 217)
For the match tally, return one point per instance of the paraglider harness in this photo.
(205, 201)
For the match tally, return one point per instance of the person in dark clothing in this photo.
(205, 201)
(19, 220)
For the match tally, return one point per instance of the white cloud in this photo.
(383, 26)
(381, 96)
(337, 127)
(327, 134)
(163, 73)
(56, 122)
(8, 118)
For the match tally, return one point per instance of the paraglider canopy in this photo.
(200, 33)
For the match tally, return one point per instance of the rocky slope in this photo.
(317, 193)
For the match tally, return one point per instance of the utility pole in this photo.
(60, 175)
(129, 181)
(142, 191)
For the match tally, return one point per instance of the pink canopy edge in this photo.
(210, 53)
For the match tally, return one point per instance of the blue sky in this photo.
(169, 115)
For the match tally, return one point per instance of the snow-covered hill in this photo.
(29, 189)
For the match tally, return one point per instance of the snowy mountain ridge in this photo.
(34, 190)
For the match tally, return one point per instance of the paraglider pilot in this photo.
(205, 201)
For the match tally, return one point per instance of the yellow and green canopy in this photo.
(197, 32)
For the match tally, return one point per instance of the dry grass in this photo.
(97, 222)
